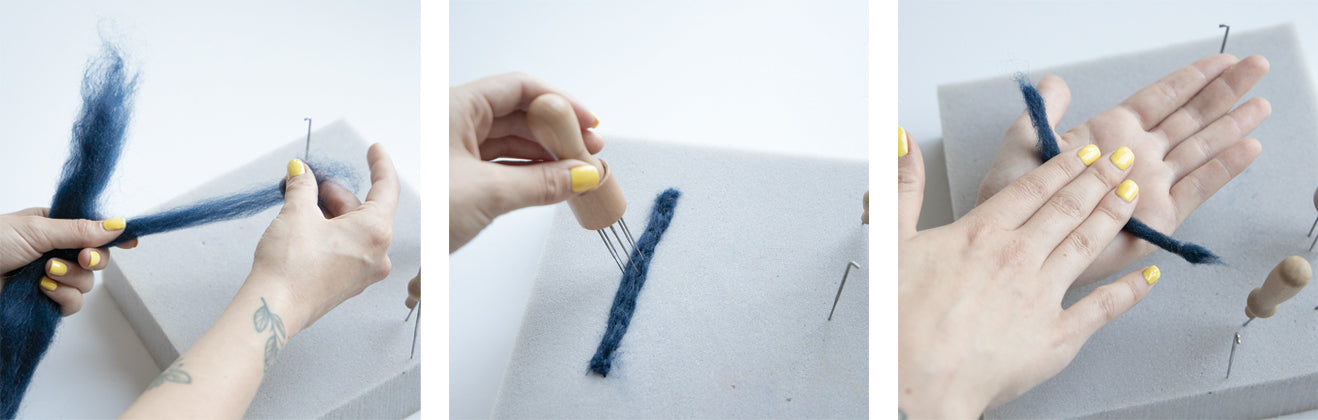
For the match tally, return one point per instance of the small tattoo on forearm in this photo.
(264, 319)
(174, 373)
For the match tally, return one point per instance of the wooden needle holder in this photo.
(554, 123)
(1283, 283)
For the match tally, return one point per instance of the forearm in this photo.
(220, 374)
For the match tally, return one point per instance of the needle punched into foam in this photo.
(554, 123)
(1283, 283)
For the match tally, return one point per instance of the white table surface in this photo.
(221, 83)
(779, 76)
(955, 41)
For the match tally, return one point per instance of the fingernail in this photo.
(1128, 190)
(584, 177)
(1089, 154)
(48, 284)
(902, 139)
(58, 268)
(295, 168)
(1152, 274)
(117, 223)
(1123, 157)
(93, 258)
(597, 122)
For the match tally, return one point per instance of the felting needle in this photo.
(1283, 283)
(1315, 221)
(415, 327)
(839, 288)
(306, 155)
(413, 303)
(1228, 33)
(1232, 358)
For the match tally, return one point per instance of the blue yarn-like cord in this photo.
(624, 302)
(28, 318)
(1048, 148)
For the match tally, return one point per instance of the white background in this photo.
(779, 76)
(222, 83)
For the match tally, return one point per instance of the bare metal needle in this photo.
(839, 288)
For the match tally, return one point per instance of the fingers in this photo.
(1074, 203)
(1155, 102)
(1214, 100)
(336, 200)
(1056, 100)
(506, 93)
(1105, 303)
(1221, 134)
(44, 234)
(910, 184)
(300, 190)
(1200, 184)
(94, 259)
(520, 186)
(515, 125)
(1018, 201)
(33, 211)
(384, 181)
(69, 299)
(70, 275)
(1082, 246)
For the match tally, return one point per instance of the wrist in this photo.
(946, 403)
(266, 301)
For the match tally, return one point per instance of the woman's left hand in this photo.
(27, 235)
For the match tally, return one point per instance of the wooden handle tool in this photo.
(554, 123)
(1286, 280)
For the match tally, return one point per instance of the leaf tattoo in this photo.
(174, 373)
(264, 319)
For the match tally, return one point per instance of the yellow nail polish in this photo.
(1152, 274)
(58, 268)
(93, 258)
(1089, 154)
(117, 223)
(902, 147)
(295, 168)
(1128, 190)
(1123, 157)
(584, 177)
(48, 284)
(597, 122)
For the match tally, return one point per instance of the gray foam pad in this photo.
(351, 363)
(732, 320)
(1167, 357)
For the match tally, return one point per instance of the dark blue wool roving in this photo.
(1048, 148)
(624, 302)
(27, 317)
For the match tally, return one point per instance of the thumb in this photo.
(1107, 302)
(910, 184)
(300, 190)
(45, 234)
(539, 184)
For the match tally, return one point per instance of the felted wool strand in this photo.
(27, 317)
(633, 278)
(1048, 148)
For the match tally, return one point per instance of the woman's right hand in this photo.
(980, 299)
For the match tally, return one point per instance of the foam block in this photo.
(352, 363)
(1167, 357)
(732, 321)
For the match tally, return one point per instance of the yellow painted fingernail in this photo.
(1128, 190)
(48, 284)
(902, 147)
(1123, 157)
(117, 223)
(1152, 274)
(58, 268)
(295, 168)
(93, 258)
(584, 177)
(1089, 154)
(597, 122)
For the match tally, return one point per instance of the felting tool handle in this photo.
(554, 123)
(1291, 275)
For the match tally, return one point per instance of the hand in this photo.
(980, 299)
(312, 259)
(26, 235)
(487, 121)
(1186, 143)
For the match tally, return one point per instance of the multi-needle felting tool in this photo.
(554, 123)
